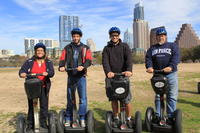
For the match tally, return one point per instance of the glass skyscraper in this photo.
(139, 11)
(66, 24)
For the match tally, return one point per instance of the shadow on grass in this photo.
(189, 102)
(186, 91)
(99, 124)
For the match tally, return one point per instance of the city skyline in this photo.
(39, 19)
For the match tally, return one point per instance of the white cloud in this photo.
(172, 14)
(97, 17)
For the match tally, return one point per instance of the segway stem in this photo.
(162, 104)
(36, 116)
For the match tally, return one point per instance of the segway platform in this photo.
(164, 128)
(74, 130)
(118, 130)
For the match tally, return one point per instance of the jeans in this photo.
(172, 94)
(80, 84)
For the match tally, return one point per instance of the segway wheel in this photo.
(138, 122)
(60, 121)
(148, 119)
(178, 121)
(108, 121)
(198, 87)
(20, 124)
(52, 121)
(90, 122)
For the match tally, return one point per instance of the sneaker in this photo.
(83, 123)
(67, 123)
(116, 122)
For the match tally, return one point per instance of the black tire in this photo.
(108, 120)
(148, 119)
(138, 122)
(60, 121)
(90, 122)
(198, 87)
(178, 121)
(52, 121)
(20, 124)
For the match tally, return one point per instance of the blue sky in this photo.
(40, 18)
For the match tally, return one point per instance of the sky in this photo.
(40, 18)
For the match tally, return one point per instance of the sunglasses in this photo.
(114, 35)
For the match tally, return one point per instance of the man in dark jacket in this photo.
(117, 58)
(39, 64)
(165, 56)
(76, 55)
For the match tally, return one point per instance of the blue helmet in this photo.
(76, 31)
(161, 31)
(114, 29)
(40, 45)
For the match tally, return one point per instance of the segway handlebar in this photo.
(158, 71)
(70, 69)
(34, 74)
(119, 74)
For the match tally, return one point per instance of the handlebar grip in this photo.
(119, 74)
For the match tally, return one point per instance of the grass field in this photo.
(188, 100)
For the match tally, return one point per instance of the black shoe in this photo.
(170, 121)
(44, 125)
(116, 122)
(156, 120)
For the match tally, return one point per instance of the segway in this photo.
(33, 88)
(75, 126)
(119, 90)
(160, 124)
(198, 87)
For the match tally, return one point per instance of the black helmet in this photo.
(76, 31)
(40, 45)
(114, 29)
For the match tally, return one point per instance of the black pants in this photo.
(44, 100)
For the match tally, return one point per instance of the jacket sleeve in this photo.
(128, 57)
(62, 60)
(88, 59)
(175, 56)
(24, 68)
(51, 70)
(148, 58)
(105, 61)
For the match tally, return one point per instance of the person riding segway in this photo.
(163, 56)
(75, 59)
(37, 71)
(117, 65)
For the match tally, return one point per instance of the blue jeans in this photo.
(80, 84)
(172, 95)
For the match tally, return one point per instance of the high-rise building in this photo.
(66, 24)
(139, 11)
(29, 44)
(91, 44)
(141, 34)
(140, 30)
(187, 38)
(128, 38)
(153, 35)
(6, 53)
